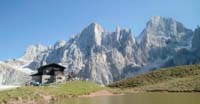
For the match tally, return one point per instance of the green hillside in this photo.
(42, 94)
(180, 78)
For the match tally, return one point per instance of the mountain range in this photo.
(105, 57)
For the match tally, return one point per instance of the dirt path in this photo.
(99, 93)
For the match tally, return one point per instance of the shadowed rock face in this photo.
(196, 39)
(188, 56)
(105, 57)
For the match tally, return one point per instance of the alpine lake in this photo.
(139, 98)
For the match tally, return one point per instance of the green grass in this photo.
(187, 84)
(69, 89)
(181, 78)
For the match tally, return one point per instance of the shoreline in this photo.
(99, 93)
(122, 92)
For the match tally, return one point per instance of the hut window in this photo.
(59, 77)
(46, 78)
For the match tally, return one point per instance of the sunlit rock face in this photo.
(104, 57)
(162, 32)
(163, 38)
(32, 52)
(11, 75)
(93, 54)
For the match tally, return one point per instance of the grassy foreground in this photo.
(174, 79)
(48, 93)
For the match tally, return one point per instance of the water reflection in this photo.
(140, 98)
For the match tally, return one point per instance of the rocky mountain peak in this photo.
(105, 57)
(158, 20)
(93, 31)
(127, 36)
(33, 51)
(90, 37)
(95, 27)
(161, 31)
(59, 44)
(161, 24)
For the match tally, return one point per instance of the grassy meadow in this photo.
(173, 79)
(49, 93)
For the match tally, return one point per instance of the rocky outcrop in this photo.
(10, 75)
(187, 56)
(162, 32)
(162, 38)
(32, 52)
(196, 39)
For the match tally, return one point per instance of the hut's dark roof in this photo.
(52, 65)
(55, 67)
(36, 74)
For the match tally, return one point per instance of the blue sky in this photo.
(26, 22)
